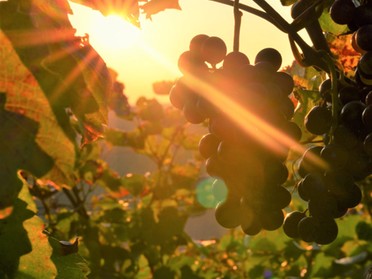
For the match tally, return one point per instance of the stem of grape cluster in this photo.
(334, 90)
(310, 56)
(237, 20)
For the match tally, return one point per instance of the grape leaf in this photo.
(116, 137)
(69, 71)
(155, 6)
(19, 84)
(17, 146)
(24, 249)
(98, 90)
(322, 266)
(118, 101)
(328, 25)
(68, 266)
(37, 263)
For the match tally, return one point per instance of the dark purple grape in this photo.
(325, 90)
(318, 120)
(189, 63)
(359, 164)
(227, 213)
(192, 113)
(341, 185)
(312, 185)
(196, 44)
(344, 137)
(180, 94)
(284, 81)
(309, 161)
(272, 219)
(327, 231)
(214, 50)
(302, 192)
(367, 144)
(292, 130)
(348, 94)
(290, 225)
(368, 98)
(362, 16)
(271, 56)
(252, 228)
(214, 166)
(342, 11)
(351, 115)
(275, 172)
(277, 197)
(335, 155)
(367, 117)
(324, 205)
(208, 145)
(251, 74)
(363, 37)
(286, 107)
(234, 61)
(308, 229)
(365, 65)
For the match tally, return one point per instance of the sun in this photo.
(112, 32)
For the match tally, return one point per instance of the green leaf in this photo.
(68, 266)
(94, 92)
(328, 25)
(293, 251)
(149, 109)
(364, 230)
(268, 241)
(346, 231)
(322, 266)
(35, 117)
(144, 269)
(117, 137)
(134, 183)
(19, 151)
(24, 248)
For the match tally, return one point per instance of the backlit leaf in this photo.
(155, 6)
(18, 84)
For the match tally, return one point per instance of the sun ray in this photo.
(35, 37)
(250, 123)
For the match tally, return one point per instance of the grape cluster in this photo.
(331, 188)
(329, 192)
(253, 173)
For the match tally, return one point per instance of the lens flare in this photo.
(210, 191)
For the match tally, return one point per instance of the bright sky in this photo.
(150, 54)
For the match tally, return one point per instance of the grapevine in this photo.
(255, 171)
(285, 155)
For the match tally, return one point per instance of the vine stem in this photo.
(334, 90)
(253, 11)
(238, 21)
(310, 57)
